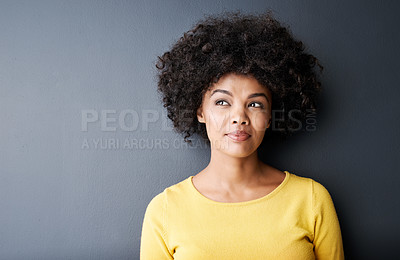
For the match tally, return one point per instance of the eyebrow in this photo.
(230, 94)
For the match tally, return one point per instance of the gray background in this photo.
(62, 198)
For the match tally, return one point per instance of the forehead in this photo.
(238, 84)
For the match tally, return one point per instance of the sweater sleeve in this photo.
(327, 235)
(153, 243)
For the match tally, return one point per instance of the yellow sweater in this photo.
(297, 221)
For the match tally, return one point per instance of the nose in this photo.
(239, 117)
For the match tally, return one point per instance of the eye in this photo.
(221, 103)
(256, 104)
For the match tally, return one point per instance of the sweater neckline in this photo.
(242, 203)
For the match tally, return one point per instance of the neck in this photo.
(230, 171)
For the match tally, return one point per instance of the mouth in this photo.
(239, 136)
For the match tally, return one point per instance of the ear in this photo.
(200, 115)
(269, 123)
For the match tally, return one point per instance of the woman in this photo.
(222, 80)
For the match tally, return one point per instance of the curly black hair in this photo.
(244, 44)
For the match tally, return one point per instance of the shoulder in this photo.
(320, 197)
(303, 184)
(320, 191)
(309, 186)
(179, 188)
(168, 195)
(156, 205)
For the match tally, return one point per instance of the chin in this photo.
(238, 150)
(239, 154)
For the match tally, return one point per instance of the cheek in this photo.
(260, 121)
(215, 121)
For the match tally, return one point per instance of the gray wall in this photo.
(62, 63)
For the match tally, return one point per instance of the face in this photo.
(236, 111)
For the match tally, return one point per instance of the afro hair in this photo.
(247, 44)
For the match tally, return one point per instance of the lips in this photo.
(238, 136)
